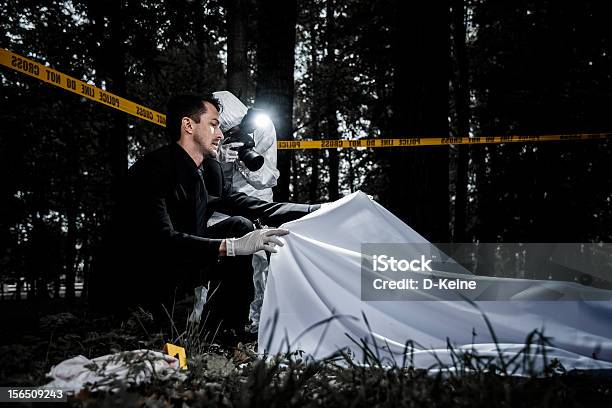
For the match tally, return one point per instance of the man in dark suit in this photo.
(159, 248)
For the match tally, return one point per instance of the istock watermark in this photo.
(383, 263)
(485, 272)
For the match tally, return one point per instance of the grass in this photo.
(238, 378)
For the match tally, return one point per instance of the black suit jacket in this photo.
(153, 241)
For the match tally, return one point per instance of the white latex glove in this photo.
(261, 239)
(229, 154)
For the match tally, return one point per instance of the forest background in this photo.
(323, 69)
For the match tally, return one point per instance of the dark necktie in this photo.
(200, 202)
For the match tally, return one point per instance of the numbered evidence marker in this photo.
(176, 352)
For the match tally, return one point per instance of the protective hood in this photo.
(233, 110)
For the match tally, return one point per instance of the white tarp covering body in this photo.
(317, 275)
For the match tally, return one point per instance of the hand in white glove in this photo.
(261, 239)
(229, 151)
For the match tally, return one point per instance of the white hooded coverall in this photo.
(254, 183)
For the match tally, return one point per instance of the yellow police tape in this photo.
(432, 141)
(53, 77)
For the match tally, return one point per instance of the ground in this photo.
(36, 336)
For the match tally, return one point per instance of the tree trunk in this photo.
(294, 180)
(112, 69)
(57, 285)
(41, 256)
(237, 62)
(18, 289)
(203, 45)
(331, 119)
(419, 176)
(351, 174)
(276, 21)
(485, 229)
(70, 252)
(87, 261)
(118, 85)
(462, 119)
(313, 186)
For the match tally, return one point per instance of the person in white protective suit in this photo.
(254, 183)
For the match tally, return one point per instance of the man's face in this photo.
(207, 134)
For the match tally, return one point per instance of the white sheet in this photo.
(130, 367)
(317, 275)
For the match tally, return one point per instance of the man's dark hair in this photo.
(190, 106)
